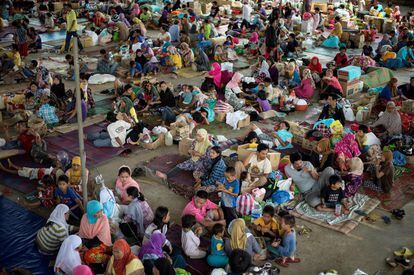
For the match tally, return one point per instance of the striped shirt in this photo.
(50, 237)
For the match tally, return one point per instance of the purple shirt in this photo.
(264, 104)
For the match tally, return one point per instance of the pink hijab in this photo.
(99, 229)
(121, 188)
(216, 73)
(235, 80)
(254, 38)
(135, 10)
(82, 270)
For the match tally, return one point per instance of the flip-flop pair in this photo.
(404, 252)
(401, 261)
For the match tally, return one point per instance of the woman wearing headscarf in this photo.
(200, 155)
(95, 233)
(307, 86)
(390, 120)
(384, 172)
(254, 44)
(138, 24)
(353, 178)
(202, 61)
(123, 181)
(333, 40)
(241, 238)
(152, 250)
(99, 19)
(123, 19)
(55, 231)
(123, 261)
(58, 92)
(233, 91)
(315, 67)
(215, 74)
(135, 10)
(82, 270)
(68, 257)
(390, 91)
(126, 106)
(322, 157)
(187, 55)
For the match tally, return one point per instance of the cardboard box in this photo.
(243, 151)
(86, 41)
(349, 73)
(350, 88)
(345, 37)
(180, 133)
(57, 6)
(358, 39)
(268, 114)
(184, 146)
(244, 122)
(323, 7)
(75, 6)
(156, 144)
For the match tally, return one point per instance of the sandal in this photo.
(386, 219)
(402, 261)
(391, 262)
(293, 261)
(404, 252)
(279, 261)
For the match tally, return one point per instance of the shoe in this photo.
(404, 252)
(279, 261)
(294, 261)
(402, 261)
(391, 262)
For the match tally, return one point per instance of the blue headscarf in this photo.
(92, 208)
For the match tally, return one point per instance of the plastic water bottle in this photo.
(338, 208)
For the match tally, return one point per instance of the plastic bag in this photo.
(349, 113)
(399, 159)
(245, 204)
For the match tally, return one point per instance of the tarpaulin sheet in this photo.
(18, 228)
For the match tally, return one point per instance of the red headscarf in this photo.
(120, 265)
(315, 68)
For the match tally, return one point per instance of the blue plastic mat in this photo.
(18, 228)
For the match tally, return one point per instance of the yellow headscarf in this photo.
(75, 176)
(202, 146)
(238, 237)
(336, 128)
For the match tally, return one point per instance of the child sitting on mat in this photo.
(266, 225)
(75, 174)
(284, 249)
(45, 193)
(218, 257)
(66, 195)
(190, 240)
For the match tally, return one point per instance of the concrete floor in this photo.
(323, 249)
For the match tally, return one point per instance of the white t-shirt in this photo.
(247, 10)
(164, 37)
(118, 129)
(189, 242)
(264, 166)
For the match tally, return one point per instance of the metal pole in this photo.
(82, 152)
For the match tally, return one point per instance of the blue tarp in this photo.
(18, 228)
